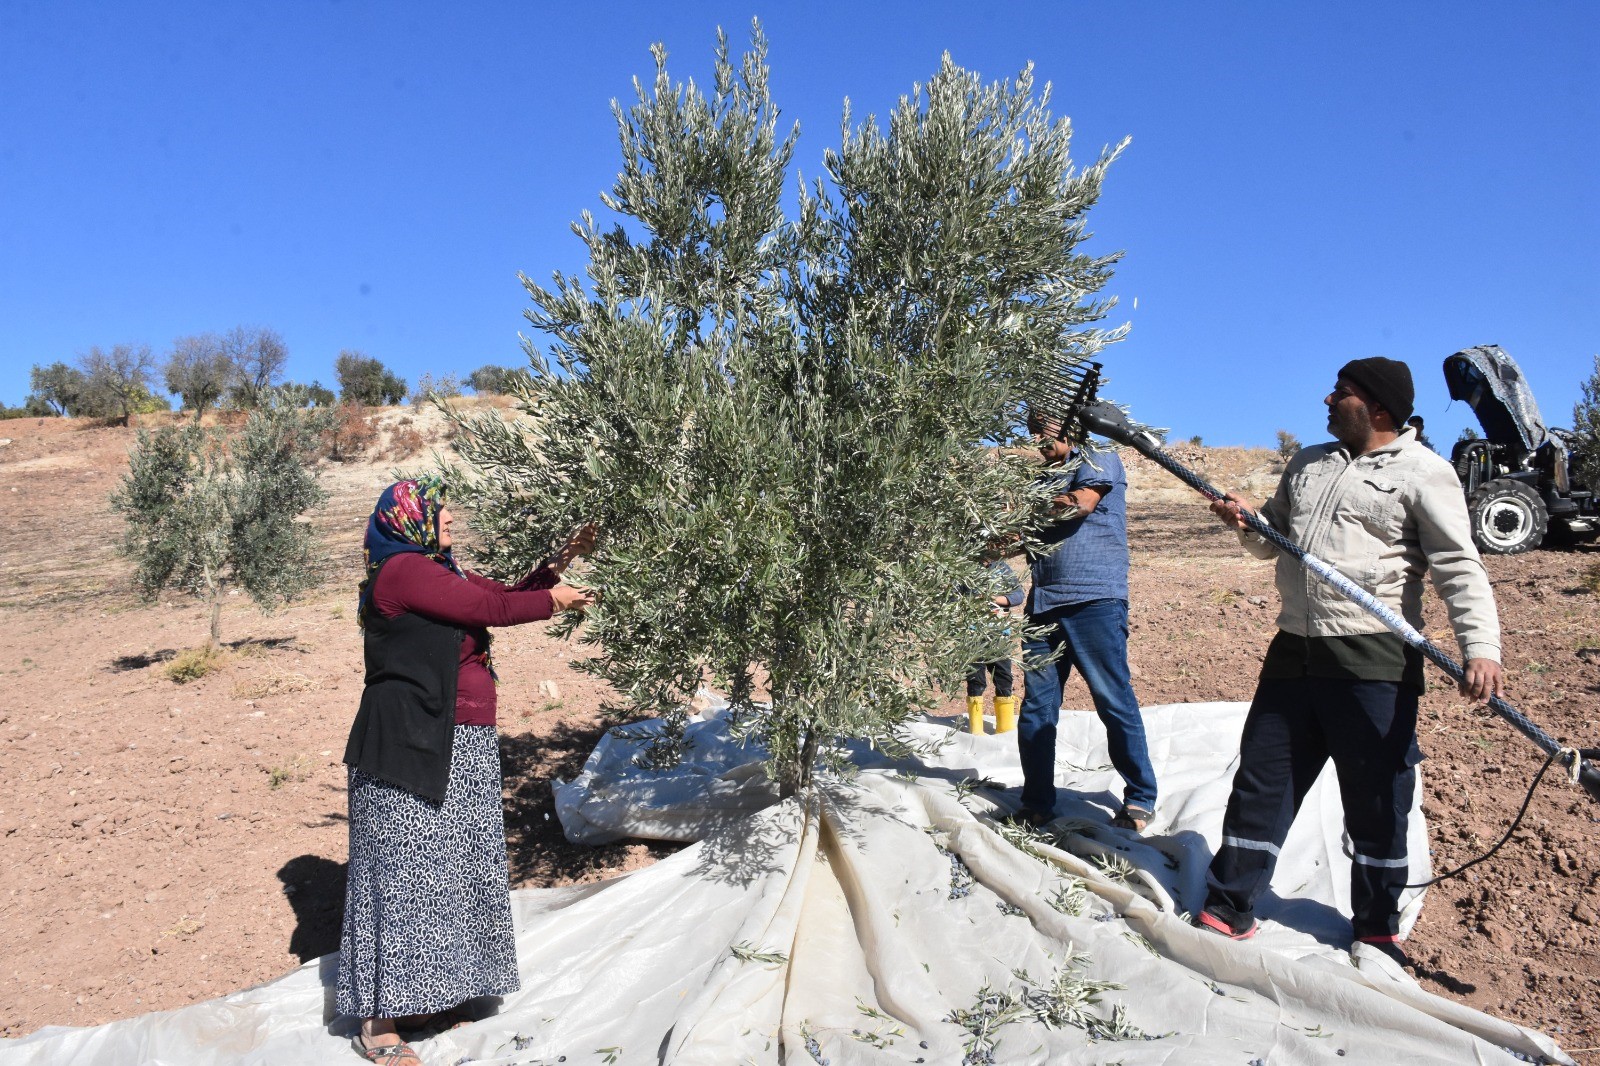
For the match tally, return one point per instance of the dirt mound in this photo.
(167, 843)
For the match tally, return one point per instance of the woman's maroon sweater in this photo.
(413, 582)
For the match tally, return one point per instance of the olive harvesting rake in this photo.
(1069, 390)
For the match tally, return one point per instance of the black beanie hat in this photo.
(1386, 380)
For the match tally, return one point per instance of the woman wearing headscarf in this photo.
(427, 917)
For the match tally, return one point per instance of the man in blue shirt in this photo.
(1080, 592)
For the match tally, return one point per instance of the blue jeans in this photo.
(1092, 636)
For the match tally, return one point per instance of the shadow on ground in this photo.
(537, 851)
(315, 889)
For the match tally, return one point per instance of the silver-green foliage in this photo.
(1586, 431)
(206, 509)
(777, 422)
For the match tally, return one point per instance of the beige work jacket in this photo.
(1381, 519)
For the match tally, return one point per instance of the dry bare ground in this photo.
(168, 843)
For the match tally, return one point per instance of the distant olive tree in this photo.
(199, 371)
(206, 509)
(118, 381)
(1586, 431)
(430, 388)
(1288, 444)
(313, 395)
(494, 380)
(778, 424)
(365, 380)
(31, 407)
(61, 388)
(258, 356)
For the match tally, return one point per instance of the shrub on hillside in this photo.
(404, 442)
(430, 388)
(350, 433)
(313, 395)
(194, 663)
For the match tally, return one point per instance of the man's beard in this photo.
(1353, 428)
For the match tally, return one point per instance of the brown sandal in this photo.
(401, 1054)
(1131, 817)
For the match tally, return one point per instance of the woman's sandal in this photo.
(386, 1054)
(1131, 817)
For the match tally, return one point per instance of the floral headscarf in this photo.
(406, 519)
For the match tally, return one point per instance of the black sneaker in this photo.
(1210, 922)
(1031, 818)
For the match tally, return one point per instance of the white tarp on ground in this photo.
(885, 921)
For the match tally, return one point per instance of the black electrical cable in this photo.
(1464, 867)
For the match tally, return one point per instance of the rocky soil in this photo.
(167, 843)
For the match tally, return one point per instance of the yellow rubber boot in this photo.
(1005, 714)
(975, 715)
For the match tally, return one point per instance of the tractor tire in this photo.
(1508, 517)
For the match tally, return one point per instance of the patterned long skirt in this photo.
(427, 912)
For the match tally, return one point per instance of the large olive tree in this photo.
(779, 423)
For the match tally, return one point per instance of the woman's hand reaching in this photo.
(568, 598)
(580, 544)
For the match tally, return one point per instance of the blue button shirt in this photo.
(1092, 560)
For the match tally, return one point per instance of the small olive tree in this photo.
(1586, 431)
(778, 424)
(206, 509)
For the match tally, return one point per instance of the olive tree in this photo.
(258, 356)
(117, 381)
(207, 509)
(59, 387)
(1586, 431)
(785, 426)
(365, 380)
(199, 371)
(491, 379)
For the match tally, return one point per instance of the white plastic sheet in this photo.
(871, 922)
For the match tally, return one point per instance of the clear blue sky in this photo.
(1307, 183)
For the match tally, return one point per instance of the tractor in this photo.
(1517, 479)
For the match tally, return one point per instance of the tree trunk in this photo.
(801, 778)
(216, 613)
(808, 758)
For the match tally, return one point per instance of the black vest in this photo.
(403, 732)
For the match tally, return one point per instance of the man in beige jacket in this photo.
(1383, 509)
